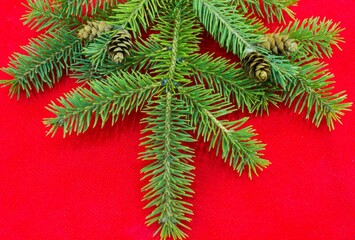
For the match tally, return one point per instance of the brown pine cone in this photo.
(93, 29)
(120, 46)
(256, 66)
(279, 44)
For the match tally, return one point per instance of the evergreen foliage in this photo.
(267, 9)
(229, 27)
(311, 91)
(236, 143)
(137, 14)
(170, 170)
(179, 35)
(120, 94)
(96, 51)
(316, 37)
(184, 93)
(46, 14)
(230, 80)
(79, 8)
(48, 58)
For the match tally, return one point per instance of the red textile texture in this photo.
(88, 186)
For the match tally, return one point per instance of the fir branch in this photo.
(136, 14)
(236, 142)
(230, 80)
(227, 25)
(312, 93)
(48, 57)
(267, 9)
(79, 8)
(170, 170)
(45, 14)
(229, 28)
(118, 95)
(178, 32)
(315, 37)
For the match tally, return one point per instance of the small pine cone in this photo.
(120, 46)
(279, 44)
(256, 66)
(93, 29)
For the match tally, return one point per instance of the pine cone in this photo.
(93, 29)
(120, 46)
(279, 44)
(256, 66)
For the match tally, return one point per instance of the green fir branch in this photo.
(135, 15)
(182, 41)
(48, 57)
(311, 92)
(237, 143)
(45, 14)
(315, 37)
(170, 170)
(79, 8)
(267, 9)
(230, 80)
(228, 27)
(118, 95)
(178, 33)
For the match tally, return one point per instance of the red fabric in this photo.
(88, 186)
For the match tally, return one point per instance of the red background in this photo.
(88, 186)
